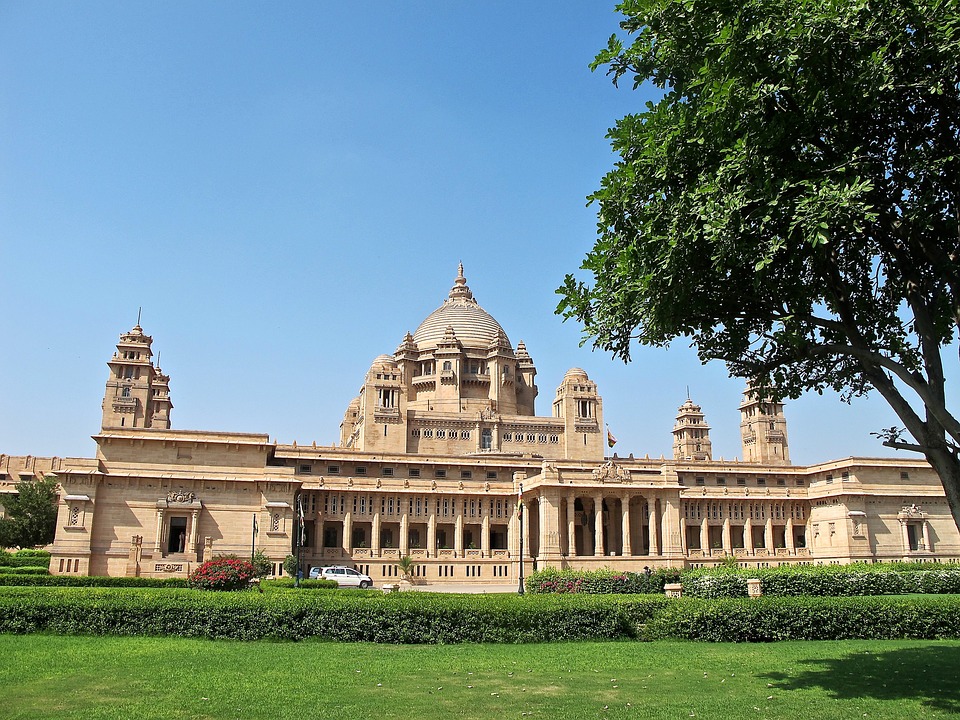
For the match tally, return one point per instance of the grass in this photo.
(46, 676)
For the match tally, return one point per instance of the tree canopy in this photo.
(30, 516)
(790, 203)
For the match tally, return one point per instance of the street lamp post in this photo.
(520, 518)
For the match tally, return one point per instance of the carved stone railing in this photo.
(446, 553)
(500, 553)
(390, 553)
(473, 553)
(361, 552)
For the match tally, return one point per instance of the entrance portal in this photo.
(177, 537)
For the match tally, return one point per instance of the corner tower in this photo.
(691, 434)
(763, 430)
(137, 394)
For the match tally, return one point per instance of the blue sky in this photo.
(286, 189)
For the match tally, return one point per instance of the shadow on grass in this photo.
(928, 675)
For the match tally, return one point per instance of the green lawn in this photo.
(46, 676)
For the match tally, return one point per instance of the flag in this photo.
(255, 528)
(303, 529)
(520, 496)
(611, 440)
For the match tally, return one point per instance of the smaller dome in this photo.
(576, 373)
(383, 360)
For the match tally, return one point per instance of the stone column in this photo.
(705, 534)
(905, 536)
(194, 531)
(375, 529)
(485, 535)
(347, 540)
(458, 533)
(671, 528)
(432, 530)
(727, 542)
(320, 529)
(158, 545)
(404, 532)
(526, 531)
(571, 525)
(748, 535)
(598, 519)
(925, 533)
(625, 528)
(652, 510)
(788, 535)
(768, 532)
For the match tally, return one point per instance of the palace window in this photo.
(387, 472)
(361, 470)
(414, 472)
(440, 473)
(466, 474)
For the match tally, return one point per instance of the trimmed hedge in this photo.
(25, 558)
(857, 579)
(288, 583)
(439, 618)
(807, 618)
(600, 582)
(412, 617)
(90, 581)
(27, 570)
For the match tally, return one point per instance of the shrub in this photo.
(289, 583)
(223, 573)
(262, 565)
(599, 582)
(807, 618)
(28, 570)
(716, 583)
(25, 558)
(290, 565)
(90, 581)
(346, 616)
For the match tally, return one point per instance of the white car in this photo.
(345, 577)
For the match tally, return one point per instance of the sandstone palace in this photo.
(434, 451)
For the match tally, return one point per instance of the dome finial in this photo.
(460, 291)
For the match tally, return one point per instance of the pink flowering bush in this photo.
(222, 574)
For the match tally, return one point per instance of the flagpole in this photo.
(253, 539)
(299, 540)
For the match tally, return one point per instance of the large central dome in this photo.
(474, 326)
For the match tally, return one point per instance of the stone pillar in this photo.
(652, 510)
(788, 535)
(404, 532)
(625, 528)
(768, 532)
(705, 534)
(485, 535)
(904, 536)
(571, 525)
(320, 528)
(458, 533)
(375, 530)
(542, 527)
(598, 531)
(347, 539)
(158, 545)
(925, 533)
(727, 542)
(671, 528)
(194, 531)
(526, 531)
(432, 531)
(748, 535)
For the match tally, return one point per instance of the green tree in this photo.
(30, 516)
(290, 565)
(789, 205)
(262, 565)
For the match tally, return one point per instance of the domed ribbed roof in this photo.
(382, 360)
(474, 326)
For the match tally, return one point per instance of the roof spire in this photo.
(460, 291)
